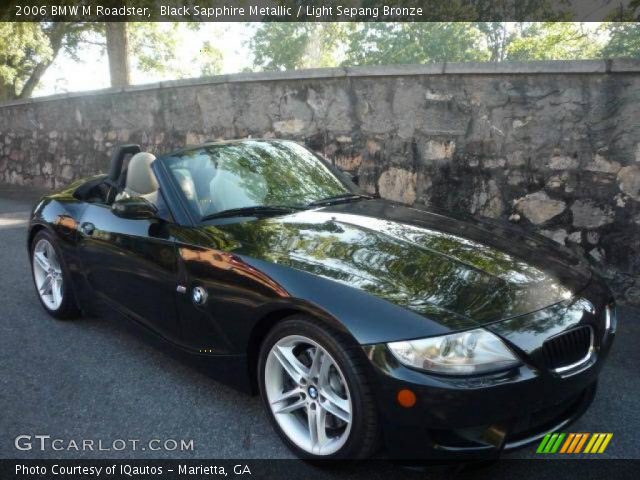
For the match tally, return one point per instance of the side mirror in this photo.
(355, 178)
(136, 208)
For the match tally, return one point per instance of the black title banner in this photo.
(318, 11)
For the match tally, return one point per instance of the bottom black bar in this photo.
(300, 470)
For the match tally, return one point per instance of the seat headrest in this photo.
(140, 177)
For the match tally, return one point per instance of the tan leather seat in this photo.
(141, 181)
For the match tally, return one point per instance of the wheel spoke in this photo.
(300, 403)
(45, 288)
(42, 261)
(294, 392)
(321, 421)
(56, 290)
(49, 250)
(296, 370)
(323, 372)
(317, 427)
(316, 362)
(313, 427)
(55, 265)
(336, 406)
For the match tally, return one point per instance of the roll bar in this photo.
(117, 158)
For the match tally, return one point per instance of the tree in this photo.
(288, 46)
(211, 59)
(554, 41)
(156, 47)
(624, 40)
(291, 45)
(118, 53)
(29, 49)
(399, 43)
(624, 32)
(497, 36)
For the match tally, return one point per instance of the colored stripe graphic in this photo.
(574, 442)
(598, 443)
(578, 437)
(543, 443)
(550, 443)
(606, 441)
(556, 445)
(592, 441)
(567, 443)
(583, 439)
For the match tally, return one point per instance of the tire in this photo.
(63, 304)
(336, 392)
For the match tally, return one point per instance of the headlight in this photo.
(475, 351)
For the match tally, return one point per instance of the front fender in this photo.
(368, 319)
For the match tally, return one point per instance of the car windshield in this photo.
(249, 174)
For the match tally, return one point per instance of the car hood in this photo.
(462, 273)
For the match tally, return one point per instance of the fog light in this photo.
(406, 398)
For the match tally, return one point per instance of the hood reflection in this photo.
(439, 274)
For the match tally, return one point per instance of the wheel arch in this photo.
(33, 231)
(269, 320)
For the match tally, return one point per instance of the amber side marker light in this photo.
(406, 398)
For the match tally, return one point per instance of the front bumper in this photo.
(478, 417)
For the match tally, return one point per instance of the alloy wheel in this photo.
(47, 274)
(308, 395)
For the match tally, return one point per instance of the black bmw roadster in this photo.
(361, 323)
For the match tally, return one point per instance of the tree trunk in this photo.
(7, 92)
(56, 36)
(33, 81)
(118, 53)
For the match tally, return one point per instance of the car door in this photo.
(132, 265)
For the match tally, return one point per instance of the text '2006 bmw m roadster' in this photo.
(361, 323)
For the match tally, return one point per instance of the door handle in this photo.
(87, 228)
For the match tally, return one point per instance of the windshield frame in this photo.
(343, 178)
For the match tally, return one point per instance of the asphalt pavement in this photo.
(97, 379)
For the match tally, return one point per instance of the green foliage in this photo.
(624, 40)
(398, 43)
(497, 36)
(28, 49)
(554, 41)
(152, 47)
(623, 31)
(24, 45)
(156, 47)
(211, 59)
(289, 45)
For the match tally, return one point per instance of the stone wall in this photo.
(551, 146)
